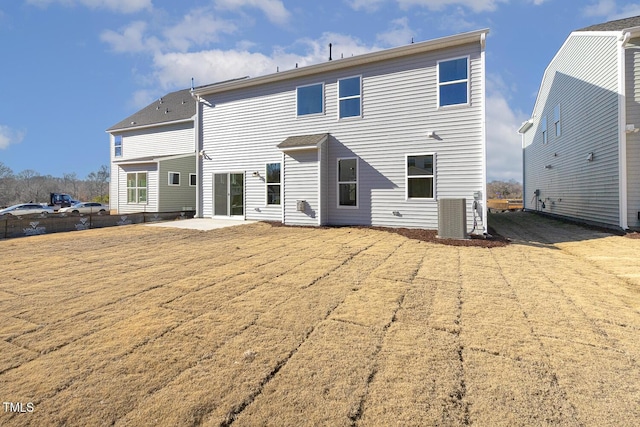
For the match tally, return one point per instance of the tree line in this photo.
(504, 190)
(30, 186)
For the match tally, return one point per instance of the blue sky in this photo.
(72, 68)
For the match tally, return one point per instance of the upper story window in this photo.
(543, 125)
(348, 182)
(174, 178)
(117, 146)
(350, 97)
(453, 82)
(556, 120)
(310, 99)
(273, 183)
(420, 174)
(192, 180)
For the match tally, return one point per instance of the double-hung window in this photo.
(348, 182)
(117, 146)
(273, 184)
(174, 178)
(192, 180)
(350, 97)
(310, 99)
(556, 120)
(453, 82)
(137, 187)
(420, 176)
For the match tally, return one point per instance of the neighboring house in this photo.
(581, 147)
(153, 157)
(376, 139)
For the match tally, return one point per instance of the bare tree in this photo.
(98, 182)
(7, 185)
(504, 189)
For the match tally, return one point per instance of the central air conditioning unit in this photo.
(452, 219)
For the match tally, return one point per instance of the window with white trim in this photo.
(453, 82)
(350, 97)
(556, 120)
(420, 176)
(543, 125)
(192, 180)
(273, 182)
(348, 182)
(310, 99)
(117, 146)
(137, 187)
(174, 178)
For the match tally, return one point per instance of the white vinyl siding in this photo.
(633, 138)
(301, 184)
(159, 141)
(399, 105)
(151, 204)
(583, 78)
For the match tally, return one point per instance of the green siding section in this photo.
(176, 198)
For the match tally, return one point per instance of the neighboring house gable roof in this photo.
(172, 107)
(617, 25)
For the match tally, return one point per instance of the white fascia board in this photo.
(381, 55)
(153, 125)
(525, 126)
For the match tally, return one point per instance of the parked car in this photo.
(27, 208)
(86, 207)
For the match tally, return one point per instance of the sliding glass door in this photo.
(228, 194)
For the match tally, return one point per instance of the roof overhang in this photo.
(151, 159)
(525, 126)
(478, 36)
(152, 125)
(303, 142)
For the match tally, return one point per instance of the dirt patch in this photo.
(256, 325)
(492, 240)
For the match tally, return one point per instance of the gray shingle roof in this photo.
(617, 25)
(174, 106)
(304, 141)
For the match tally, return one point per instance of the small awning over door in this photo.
(303, 142)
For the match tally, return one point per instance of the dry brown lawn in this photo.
(261, 325)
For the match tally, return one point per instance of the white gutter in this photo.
(622, 125)
(198, 149)
(485, 220)
(153, 125)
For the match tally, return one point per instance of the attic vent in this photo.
(452, 218)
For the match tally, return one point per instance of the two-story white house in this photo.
(153, 157)
(581, 147)
(375, 139)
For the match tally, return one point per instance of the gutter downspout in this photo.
(622, 134)
(198, 148)
(485, 225)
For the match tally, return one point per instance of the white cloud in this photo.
(609, 10)
(600, 8)
(175, 69)
(197, 28)
(9, 136)
(504, 146)
(366, 5)
(130, 39)
(122, 6)
(475, 5)
(273, 9)
(400, 33)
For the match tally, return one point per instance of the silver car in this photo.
(27, 208)
(86, 207)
